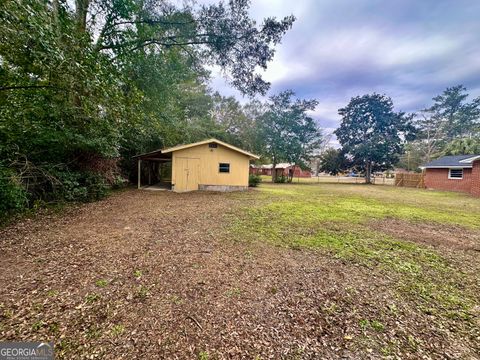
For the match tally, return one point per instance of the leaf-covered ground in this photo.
(284, 271)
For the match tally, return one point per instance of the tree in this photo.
(454, 115)
(372, 133)
(316, 157)
(89, 81)
(251, 136)
(289, 133)
(430, 135)
(465, 146)
(333, 161)
(228, 113)
(450, 126)
(413, 156)
(217, 34)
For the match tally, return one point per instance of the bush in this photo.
(281, 179)
(254, 180)
(41, 186)
(80, 186)
(13, 196)
(118, 182)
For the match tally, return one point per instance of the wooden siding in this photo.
(207, 171)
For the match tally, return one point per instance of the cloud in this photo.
(409, 50)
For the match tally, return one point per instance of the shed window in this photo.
(455, 174)
(212, 145)
(224, 168)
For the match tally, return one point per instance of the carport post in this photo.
(139, 173)
(149, 173)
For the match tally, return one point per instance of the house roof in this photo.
(261, 166)
(278, 166)
(455, 161)
(471, 160)
(208, 141)
(282, 165)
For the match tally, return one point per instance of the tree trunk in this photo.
(368, 172)
(81, 10)
(291, 173)
(274, 171)
(56, 18)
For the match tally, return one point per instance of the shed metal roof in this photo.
(453, 161)
(186, 146)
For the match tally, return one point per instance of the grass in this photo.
(38, 325)
(309, 204)
(233, 292)
(331, 180)
(142, 292)
(93, 332)
(117, 330)
(336, 219)
(373, 324)
(91, 298)
(101, 283)
(203, 355)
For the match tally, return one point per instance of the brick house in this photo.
(454, 173)
(284, 169)
(261, 169)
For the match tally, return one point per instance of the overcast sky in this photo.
(410, 50)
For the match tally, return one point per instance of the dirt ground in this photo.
(156, 275)
(445, 237)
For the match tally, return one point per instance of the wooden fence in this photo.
(410, 180)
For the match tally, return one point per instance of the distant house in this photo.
(454, 173)
(206, 165)
(261, 169)
(284, 169)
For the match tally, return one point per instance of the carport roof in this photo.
(154, 155)
(458, 161)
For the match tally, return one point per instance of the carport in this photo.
(154, 170)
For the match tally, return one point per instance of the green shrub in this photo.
(281, 179)
(46, 185)
(13, 196)
(97, 187)
(254, 180)
(80, 186)
(119, 182)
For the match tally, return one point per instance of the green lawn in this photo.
(352, 223)
(306, 204)
(332, 180)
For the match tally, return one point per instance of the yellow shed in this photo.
(206, 165)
